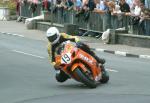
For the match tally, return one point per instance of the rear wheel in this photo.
(105, 77)
(85, 79)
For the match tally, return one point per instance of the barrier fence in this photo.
(90, 20)
(26, 10)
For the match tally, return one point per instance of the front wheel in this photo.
(85, 79)
(61, 77)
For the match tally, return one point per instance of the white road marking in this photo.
(112, 70)
(12, 34)
(120, 53)
(2, 32)
(28, 54)
(18, 35)
(98, 49)
(145, 56)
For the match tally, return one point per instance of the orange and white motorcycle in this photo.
(79, 65)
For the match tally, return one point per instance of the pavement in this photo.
(19, 29)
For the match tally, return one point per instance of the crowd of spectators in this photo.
(137, 10)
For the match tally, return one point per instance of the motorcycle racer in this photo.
(55, 38)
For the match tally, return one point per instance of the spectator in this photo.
(69, 4)
(46, 5)
(144, 20)
(116, 10)
(18, 7)
(56, 5)
(147, 4)
(116, 15)
(77, 5)
(124, 7)
(58, 2)
(66, 4)
(87, 6)
(102, 8)
(142, 1)
(91, 5)
(33, 7)
(141, 27)
(135, 16)
(130, 3)
(112, 6)
(137, 9)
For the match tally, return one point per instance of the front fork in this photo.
(78, 65)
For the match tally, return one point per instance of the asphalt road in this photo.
(27, 77)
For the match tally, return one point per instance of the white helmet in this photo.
(53, 35)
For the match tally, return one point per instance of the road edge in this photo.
(120, 53)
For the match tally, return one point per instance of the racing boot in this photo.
(102, 67)
(100, 60)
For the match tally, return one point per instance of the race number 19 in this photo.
(66, 58)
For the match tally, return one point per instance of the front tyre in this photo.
(61, 77)
(85, 79)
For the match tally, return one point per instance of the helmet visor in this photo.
(52, 38)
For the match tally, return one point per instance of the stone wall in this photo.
(133, 40)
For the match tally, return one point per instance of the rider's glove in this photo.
(53, 63)
(77, 39)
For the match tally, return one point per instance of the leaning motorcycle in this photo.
(79, 65)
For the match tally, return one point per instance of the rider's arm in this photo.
(74, 38)
(51, 53)
(69, 37)
(49, 50)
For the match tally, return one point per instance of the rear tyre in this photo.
(61, 77)
(105, 77)
(85, 79)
